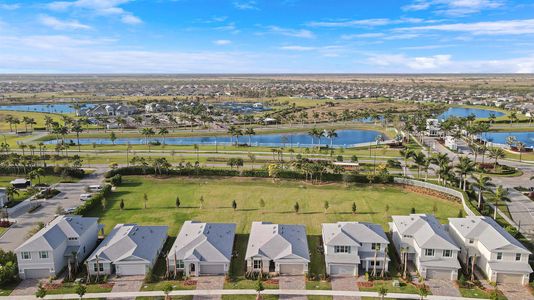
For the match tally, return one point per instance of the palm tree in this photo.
(250, 132)
(77, 128)
(481, 183)
(512, 117)
(9, 120)
(314, 132)
(147, 132)
(492, 117)
(48, 122)
(465, 167)
(499, 196)
(163, 132)
(420, 161)
(331, 134)
(496, 153)
(520, 147)
(406, 155)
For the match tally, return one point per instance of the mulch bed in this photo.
(429, 192)
(190, 282)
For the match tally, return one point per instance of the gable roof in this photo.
(208, 242)
(57, 231)
(276, 241)
(427, 232)
(353, 233)
(131, 242)
(487, 232)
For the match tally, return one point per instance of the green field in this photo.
(279, 198)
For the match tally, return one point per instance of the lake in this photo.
(464, 112)
(500, 137)
(345, 138)
(43, 108)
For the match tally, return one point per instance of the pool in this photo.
(65, 108)
(464, 112)
(500, 137)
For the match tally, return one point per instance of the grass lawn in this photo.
(248, 297)
(162, 298)
(318, 285)
(158, 286)
(476, 292)
(5, 290)
(70, 288)
(2, 231)
(317, 264)
(280, 197)
(403, 288)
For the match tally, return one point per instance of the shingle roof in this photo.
(487, 232)
(427, 232)
(276, 241)
(353, 233)
(131, 242)
(209, 242)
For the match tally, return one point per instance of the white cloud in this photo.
(222, 42)
(11, 6)
(413, 63)
(511, 27)
(62, 25)
(298, 48)
(365, 22)
(299, 33)
(56, 42)
(130, 19)
(363, 35)
(454, 7)
(246, 5)
(230, 27)
(98, 7)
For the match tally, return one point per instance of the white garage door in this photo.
(291, 269)
(438, 274)
(138, 269)
(509, 278)
(342, 269)
(36, 273)
(212, 269)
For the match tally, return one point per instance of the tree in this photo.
(465, 167)
(420, 160)
(77, 128)
(122, 204)
(177, 203)
(259, 288)
(81, 290)
(481, 183)
(406, 155)
(296, 207)
(262, 203)
(234, 205)
(382, 292)
(167, 288)
(326, 206)
(41, 291)
(353, 208)
(163, 132)
(274, 171)
(112, 137)
(250, 132)
(496, 153)
(520, 148)
(201, 200)
(331, 134)
(314, 132)
(499, 196)
(145, 199)
(147, 132)
(422, 291)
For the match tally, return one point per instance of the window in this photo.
(407, 236)
(73, 239)
(26, 255)
(499, 255)
(256, 264)
(375, 246)
(518, 256)
(429, 252)
(341, 249)
(447, 253)
(43, 254)
(98, 267)
(471, 241)
(180, 264)
(373, 263)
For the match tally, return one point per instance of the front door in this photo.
(192, 269)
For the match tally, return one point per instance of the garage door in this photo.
(438, 274)
(138, 269)
(212, 269)
(342, 269)
(509, 278)
(292, 269)
(36, 273)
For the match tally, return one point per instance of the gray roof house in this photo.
(420, 238)
(49, 251)
(502, 257)
(277, 248)
(350, 246)
(202, 249)
(128, 249)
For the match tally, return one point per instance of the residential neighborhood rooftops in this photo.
(353, 233)
(426, 231)
(276, 241)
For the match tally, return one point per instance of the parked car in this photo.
(95, 188)
(70, 210)
(84, 197)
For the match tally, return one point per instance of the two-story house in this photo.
(425, 242)
(65, 239)
(497, 253)
(350, 246)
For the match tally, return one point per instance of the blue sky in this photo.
(266, 36)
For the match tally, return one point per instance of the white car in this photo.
(95, 188)
(84, 197)
(70, 210)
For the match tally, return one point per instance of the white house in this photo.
(47, 252)
(202, 249)
(497, 253)
(128, 249)
(451, 143)
(350, 246)
(427, 244)
(277, 248)
(433, 127)
(3, 197)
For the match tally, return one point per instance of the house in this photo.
(21, 183)
(3, 197)
(65, 239)
(433, 127)
(497, 253)
(202, 249)
(128, 249)
(350, 246)
(277, 248)
(451, 143)
(425, 242)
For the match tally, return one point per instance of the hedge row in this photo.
(48, 170)
(93, 201)
(354, 178)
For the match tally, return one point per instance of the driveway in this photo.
(515, 292)
(441, 287)
(209, 283)
(69, 197)
(127, 284)
(26, 287)
(344, 283)
(296, 282)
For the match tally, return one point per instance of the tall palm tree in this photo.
(250, 132)
(163, 132)
(496, 153)
(406, 155)
(420, 161)
(520, 147)
(481, 183)
(465, 167)
(499, 196)
(147, 132)
(331, 134)
(77, 128)
(314, 132)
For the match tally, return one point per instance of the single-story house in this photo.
(202, 249)
(277, 248)
(129, 249)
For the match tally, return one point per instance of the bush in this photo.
(94, 201)
(116, 180)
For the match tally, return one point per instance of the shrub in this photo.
(116, 180)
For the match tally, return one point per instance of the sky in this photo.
(267, 36)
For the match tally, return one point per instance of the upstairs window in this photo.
(341, 249)
(447, 253)
(429, 252)
(43, 254)
(518, 257)
(26, 255)
(375, 246)
(499, 255)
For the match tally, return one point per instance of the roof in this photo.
(500, 266)
(353, 233)
(427, 232)
(57, 231)
(19, 181)
(488, 233)
(207, 242)
(131, 242)
(277, 241)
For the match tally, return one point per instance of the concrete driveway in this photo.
(127, 284)
(441, 287)
(292, 282)
(26, 288)
(69, 197)
(209, 283)
(515, 292)
(344, 283)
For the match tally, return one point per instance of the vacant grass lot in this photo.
(279, 199)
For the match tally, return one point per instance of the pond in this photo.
(464, 112)
(346, 138)
(500, 137)
(65, 108)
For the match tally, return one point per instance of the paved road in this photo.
(69, 197)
